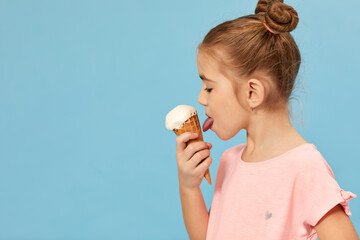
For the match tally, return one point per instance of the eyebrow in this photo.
(205, 78)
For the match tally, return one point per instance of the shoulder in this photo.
(227, 162)
(230, 156)
(310, 161)
(233, 152)
(314, 177)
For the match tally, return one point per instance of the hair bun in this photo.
(279, 16)
(261, 7)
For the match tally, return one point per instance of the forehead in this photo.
(204, 58)
(207, 66)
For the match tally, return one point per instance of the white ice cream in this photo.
(176, 117)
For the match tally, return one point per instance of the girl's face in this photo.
(220, 103)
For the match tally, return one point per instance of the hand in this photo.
(192, 160)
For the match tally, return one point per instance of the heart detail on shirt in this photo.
(268, 215)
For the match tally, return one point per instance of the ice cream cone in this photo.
(193, 125)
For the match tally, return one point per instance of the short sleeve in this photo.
(318, 191)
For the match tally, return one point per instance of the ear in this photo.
(255, 92)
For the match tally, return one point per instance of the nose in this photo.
(202, 98)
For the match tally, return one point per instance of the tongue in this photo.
(207, 124)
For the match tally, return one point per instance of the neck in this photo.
(270, 130)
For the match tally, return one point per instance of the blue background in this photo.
(84, 90)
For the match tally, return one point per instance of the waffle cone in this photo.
(193, 125)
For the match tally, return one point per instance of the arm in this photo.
(195, 214)
(336, 225)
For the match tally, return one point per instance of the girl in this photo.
(276, 185)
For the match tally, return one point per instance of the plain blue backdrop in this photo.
(84, 90)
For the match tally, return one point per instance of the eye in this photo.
(208, 89)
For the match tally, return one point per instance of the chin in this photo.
(226, 136)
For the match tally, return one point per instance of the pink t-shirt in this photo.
(278, 199)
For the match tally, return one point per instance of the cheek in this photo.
(224, 110)
(230, 113)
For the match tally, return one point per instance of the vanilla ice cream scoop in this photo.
(176, 118)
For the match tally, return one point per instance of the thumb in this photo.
(209, 145)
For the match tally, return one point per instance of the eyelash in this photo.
(208, 89)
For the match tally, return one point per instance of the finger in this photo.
(183, 139)
(209, 145)
(201, 169)
(193, 148)
(198, 157)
